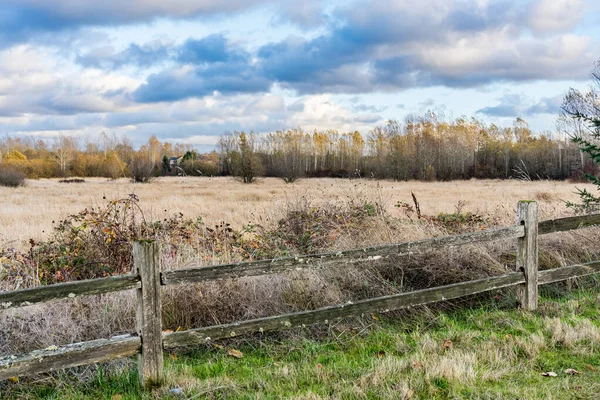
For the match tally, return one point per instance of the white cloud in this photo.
(34, 80)
(549, 16)
(502, 55)
(321, 112)
(266, 104)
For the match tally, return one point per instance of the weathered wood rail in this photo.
(73, 355)
(26, 297)
(332, 313)
(568, 223)
(367, 254)
(147, 280)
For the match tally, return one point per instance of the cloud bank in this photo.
(279, 73)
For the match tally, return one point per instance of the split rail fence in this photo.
(147, 279)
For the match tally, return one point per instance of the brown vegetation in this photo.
(96, 242)
(28, 212)
(11, 177)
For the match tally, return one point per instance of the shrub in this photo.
(306, 228)
(209, 168)
(41, 168)
(242, 159)
(143, 171)
(72, 180)
(93, 243)
(459, 222)
(11, 177)
(329, 173)
(580, 174)
(97, 242)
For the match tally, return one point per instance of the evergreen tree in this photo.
(588, 145)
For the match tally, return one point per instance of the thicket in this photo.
(421, 148)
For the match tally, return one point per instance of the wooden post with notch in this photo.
(146, 262)
(527, 255)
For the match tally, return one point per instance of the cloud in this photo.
(546, 105)
(468, 43)
(304, 13)
(357, 105)
(142, 56)
(23, 19)
(198, 121)
(297, 106)
(30, 84)
(501, 57)
(512, 105)
(549, 16)
(268, 104)
(368, 108)
(463, 44)
(189, 85)
(427, 103)
(321, 112)
(211, 49)
(296, 61)
(179, 83)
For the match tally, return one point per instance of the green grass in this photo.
(481, 353)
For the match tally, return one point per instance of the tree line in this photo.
(105, 156)
(421, 148)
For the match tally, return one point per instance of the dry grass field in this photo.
(312, 215)
(28, 212)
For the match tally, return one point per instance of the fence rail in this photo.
(571, 271)
(367, 254)
(26, 297)
(72, 355)
(326, 314)
(147, 280)
(568, 223)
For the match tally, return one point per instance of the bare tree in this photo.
(64, 149)
(580, 119)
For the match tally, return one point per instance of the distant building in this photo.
(175, 161)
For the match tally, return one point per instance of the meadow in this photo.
(494, 351)
(28, 212)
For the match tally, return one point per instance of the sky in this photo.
(190, 70)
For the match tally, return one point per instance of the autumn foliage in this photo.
(426, 148)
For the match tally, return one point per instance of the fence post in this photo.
(527, 255)
(146, 262)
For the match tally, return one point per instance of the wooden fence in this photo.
(147, 279)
